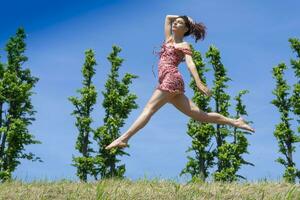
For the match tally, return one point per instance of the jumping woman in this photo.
(170, 88)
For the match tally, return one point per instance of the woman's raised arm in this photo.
(168, 23)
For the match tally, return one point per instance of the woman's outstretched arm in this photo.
(193, 70)
(202, 87)
(168, 24)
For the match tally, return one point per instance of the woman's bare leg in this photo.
(158, 99)
(188, 107)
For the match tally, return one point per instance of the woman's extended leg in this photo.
(188, 107)
(158, 99)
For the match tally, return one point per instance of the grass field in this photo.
(147, 189)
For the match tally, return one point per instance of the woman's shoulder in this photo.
(185, 45)
(185, 48)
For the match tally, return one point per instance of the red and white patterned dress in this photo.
(169, 78)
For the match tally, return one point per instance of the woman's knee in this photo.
(149, 111)
(200, 115)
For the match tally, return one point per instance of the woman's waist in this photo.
(167, 65)
(169, 62)
(168, 68)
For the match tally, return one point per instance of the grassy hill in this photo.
(147, 189)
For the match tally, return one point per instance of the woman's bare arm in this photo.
(168, 24)
(193, 70)
(200, 85)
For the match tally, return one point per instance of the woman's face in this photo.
(179, 26)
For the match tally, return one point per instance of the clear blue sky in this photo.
(251, 35)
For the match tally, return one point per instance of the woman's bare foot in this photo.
(119, 142)
(241, 123)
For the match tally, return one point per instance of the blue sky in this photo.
(252, 37)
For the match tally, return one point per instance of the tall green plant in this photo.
(16, 86)
(118, 103)
(284, 134)
(83, 108)
(229, 154)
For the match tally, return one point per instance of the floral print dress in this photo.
(169, 78)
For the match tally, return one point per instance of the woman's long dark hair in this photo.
(197, 30)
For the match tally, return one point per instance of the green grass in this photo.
(147, 189)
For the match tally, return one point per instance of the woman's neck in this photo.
(177, 39)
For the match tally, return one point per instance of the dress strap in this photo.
(186, 50)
